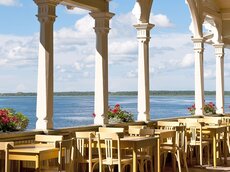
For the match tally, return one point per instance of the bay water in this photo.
(70, 111)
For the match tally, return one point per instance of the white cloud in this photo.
(10, 2)
(209, 73)
(132, 74)
(187, 61)
(160, 20)
(85, 26)
(78, 66)
(3, 62)
(18, 51)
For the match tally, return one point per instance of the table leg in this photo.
(225, 147)
(157, 157)
(37, 164)
(134, 159)
(214, 149)
(7, 162)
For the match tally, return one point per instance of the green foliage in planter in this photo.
(117, 114)
(209, 108)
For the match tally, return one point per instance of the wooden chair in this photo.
(66, 157)
(5, 146)
(176, 144)
(48, 139)
(84, 152)
(109, 142)
(145, 155)
(134, 130)
(226, 121)
(195, 139)
(68, 147)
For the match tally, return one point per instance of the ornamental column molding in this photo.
(219, 52)
(143, 36)
(101, 66)
(199, 75)
(46, 17)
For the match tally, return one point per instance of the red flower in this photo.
(117, 105)
(94, 115)
(115, 111)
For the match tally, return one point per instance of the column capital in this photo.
(46, 10)
(219, 49)
(143, 30)
(198, 45)
(102, 21)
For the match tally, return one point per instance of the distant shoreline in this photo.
(119, 93)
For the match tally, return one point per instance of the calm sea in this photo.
(77, 110)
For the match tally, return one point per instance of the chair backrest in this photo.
(67, 149)
(186, 120)
(141, 132)
(195, 132)
(49, 139)
(5, 146)
(180, 139)
(147, 132)
(134, 130)
(167, 125)
(84, 145)
(225, 120)
(137, 126)
(109, 142)
(111, 129)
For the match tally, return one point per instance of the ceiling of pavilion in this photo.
(219, 10)
(91, 5)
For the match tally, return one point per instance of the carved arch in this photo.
(196, 18)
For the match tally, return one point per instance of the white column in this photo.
(101, 66)
(46, 16)
(219, 52)
(199, 75)
(143, 36)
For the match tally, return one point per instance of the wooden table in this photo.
(136, 142)
(215, 131)
(33, 152)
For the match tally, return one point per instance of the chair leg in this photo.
(185, 161)
(164, 161)
(178, 160)
(208, 154)
(201, 156)
(174, 159)
(191, 154)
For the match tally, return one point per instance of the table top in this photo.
(32, 148)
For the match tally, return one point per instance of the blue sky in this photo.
(171, 49)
